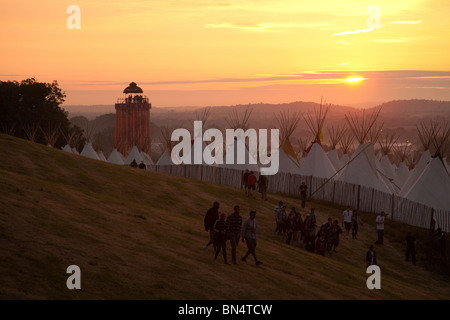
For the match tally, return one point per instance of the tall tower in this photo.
(132, 121)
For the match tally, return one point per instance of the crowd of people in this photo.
(296, 230)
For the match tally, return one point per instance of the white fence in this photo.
(332, 191)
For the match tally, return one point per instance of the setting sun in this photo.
(353, 79)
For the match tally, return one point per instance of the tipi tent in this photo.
(147, 159)
(317, 163)
(134, 154)
(402, 172)
(166, 160)
(362, 170)
(89, 152)
(116, 157)
(335, 134)
(288, 160)
(67, 148)
(432, 187)
(416, 172)
(101, 156)
(231, 159)
(389, 172)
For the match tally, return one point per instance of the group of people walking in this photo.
(292, 227)
(249, 182)
(223, 228)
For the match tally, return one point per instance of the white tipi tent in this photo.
(334, 158)
(116, 157)
(288, 160)
(147, 159)
(335, 134)
(402, 172)
(317, 163)
(250, 162)
(166, 160)
(101, 156)
(67, 148)
(89, 152)
(432, 187)
(134, 154)
(231, 158)
(416, 172)
(389, 172)
(362, 169)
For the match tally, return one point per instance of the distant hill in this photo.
(137, 234)
(400, 116)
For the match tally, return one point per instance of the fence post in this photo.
(359, 193)
(392, 207)
(334, 188)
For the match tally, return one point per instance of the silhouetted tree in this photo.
(29, 104)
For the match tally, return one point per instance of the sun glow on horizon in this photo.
(355, 79)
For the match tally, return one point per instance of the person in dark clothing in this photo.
(220, 230)
(210, 218)
(356, 222)
(244, 179)
(289, 226)
(371, 257)
(303, 190)
(234, 223)
(310, 243)
(249, 237)
(142, 165)
(262, 186)
(133, 164)
(410, 248)
(298, 226)
(333, 236)
(440, 236)
(306, 227)
(321, 243)
(313, 221)
(251, 184)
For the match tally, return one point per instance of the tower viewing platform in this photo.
(132, 120)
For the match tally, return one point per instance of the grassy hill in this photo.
(137, 234)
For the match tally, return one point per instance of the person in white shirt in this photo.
(380, 227)
(347, 221)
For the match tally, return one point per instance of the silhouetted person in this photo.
(220, 231)
(142, 165)
(380, 227)
(249, 237)
(210, 218)
(262, 186)
(371, 257)
(440, 236)
(303, 190)
(234, 223)
(410, 248)
(133, 164)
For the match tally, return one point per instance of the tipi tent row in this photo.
(115, 157)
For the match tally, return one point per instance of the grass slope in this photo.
(137, 234)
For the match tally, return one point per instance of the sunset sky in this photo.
(218, 52)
